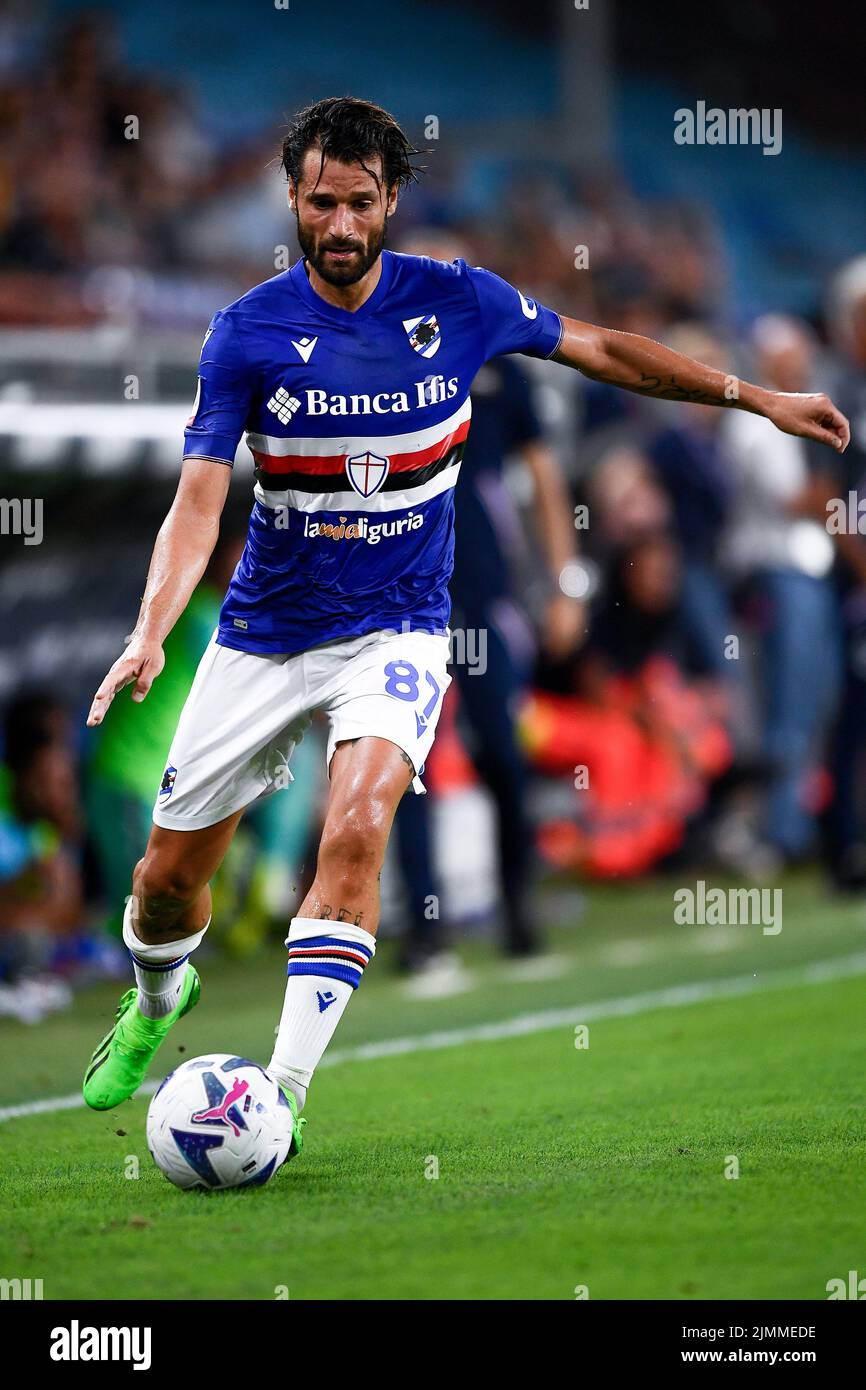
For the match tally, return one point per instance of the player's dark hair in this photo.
(354, 132)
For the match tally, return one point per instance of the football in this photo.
(219, 1122)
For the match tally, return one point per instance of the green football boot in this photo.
(118, 1066)
(297, 1124)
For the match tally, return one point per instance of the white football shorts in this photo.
(245, 712)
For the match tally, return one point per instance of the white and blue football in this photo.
(219, 1121)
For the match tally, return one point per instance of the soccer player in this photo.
(350, 374)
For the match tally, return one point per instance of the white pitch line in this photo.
(672, 997)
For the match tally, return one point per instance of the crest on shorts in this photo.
(167, 785)
(424, 334)
(367, 472)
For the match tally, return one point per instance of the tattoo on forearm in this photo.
(669, 389)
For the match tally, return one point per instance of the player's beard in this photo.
(352, 271)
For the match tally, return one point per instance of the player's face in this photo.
(342, 217)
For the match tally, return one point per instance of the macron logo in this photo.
(283, 405)
(529, 307)
(326, 999)
(305, 348)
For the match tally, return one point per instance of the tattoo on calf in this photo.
(344, 914)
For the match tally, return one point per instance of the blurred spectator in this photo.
(639, 741)
(692, 463)
(625, 500)
(847, 820)
(774, 542)
(41, 883)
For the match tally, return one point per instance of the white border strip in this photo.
(336, 445)
(674, 996)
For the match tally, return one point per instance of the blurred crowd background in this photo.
(660, 642)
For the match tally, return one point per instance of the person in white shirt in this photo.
(776, 542)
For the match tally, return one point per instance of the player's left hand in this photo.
(814, 416)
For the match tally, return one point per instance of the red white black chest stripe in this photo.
(327, 474)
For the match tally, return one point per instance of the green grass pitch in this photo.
(559, 1168)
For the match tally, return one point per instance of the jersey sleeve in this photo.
(509, 321)
(224, 395)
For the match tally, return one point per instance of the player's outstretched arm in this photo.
(642, 365)
(183, 547)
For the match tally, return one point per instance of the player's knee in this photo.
(165, 887)
(355, 844)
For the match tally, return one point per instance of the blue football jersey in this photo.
(356, 423)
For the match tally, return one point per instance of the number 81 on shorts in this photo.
(404, 682)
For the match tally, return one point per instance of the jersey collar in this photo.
(301, 283)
